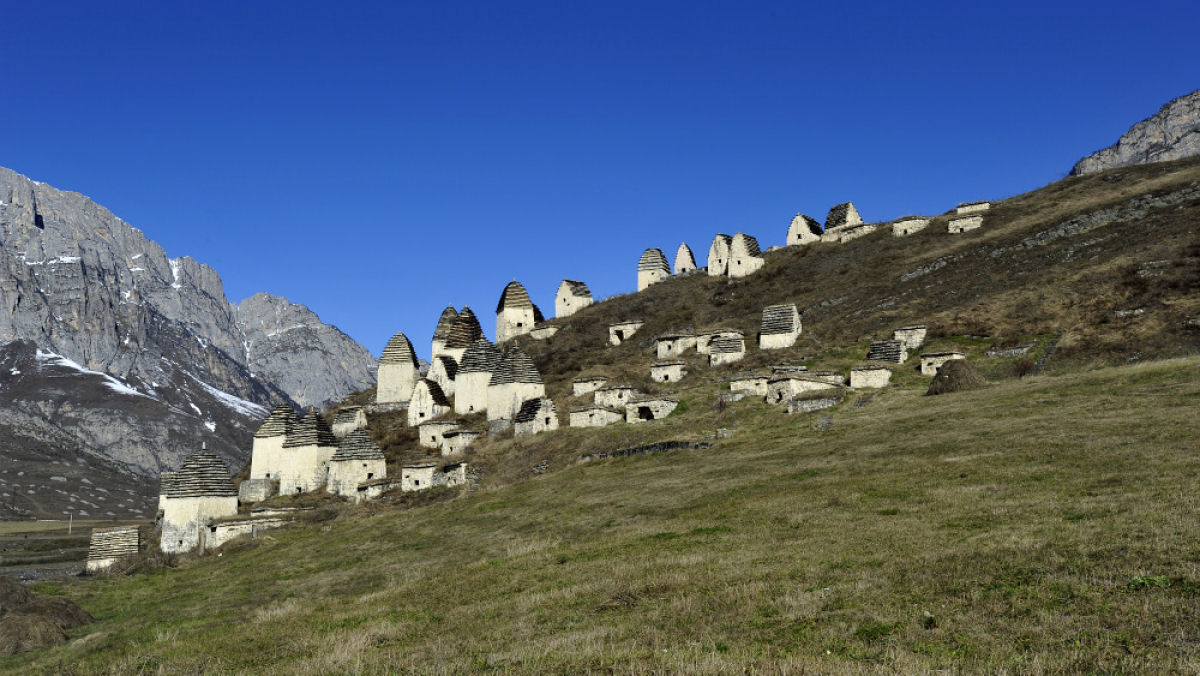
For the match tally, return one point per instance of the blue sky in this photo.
(376, 161)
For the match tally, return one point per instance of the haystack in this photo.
(956, 375)
(61, 611)
(21, 633)
(13, 594)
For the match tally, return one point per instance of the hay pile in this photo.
(31, 621)
(956, 375)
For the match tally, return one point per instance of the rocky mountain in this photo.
(1172, 133)
(95, 293)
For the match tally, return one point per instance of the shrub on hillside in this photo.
(956, 375)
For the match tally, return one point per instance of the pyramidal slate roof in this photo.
(465, 330)
(514, 296)
(435, 392)
(398, 351)
(448, 365)
(278, 423)
(165, 480)
(202, 475)
(749, 242)
(311, 430)
(653, 259)
(578, 288)
(779, 319)
(808, 222)
(842, 214)
(481, 357)
(516, 367)
(727, 346)
(358, 445)
(445, 322)
(347, 415)
(532, 408)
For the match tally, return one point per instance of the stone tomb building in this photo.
(887, 350)
(432, 433)
(267, 455)
(674, 343)
(788, 386)
(652, 268)
(803, 230)
(623, 331)
(909, 226)
(705, 339)
(201, 491)
(615, 396)
(536, 416)
(745, 257)
(474, 375)
(972, 208)
(780, 327)
(515, 381)
(655, 408)
(442, 331)
(572, 297)
(516, 315)
(398, 372)
(869, 376)
(463, 333)
(587, 385)
(911, 337)
(357, 459)
(594, 416)
(668, 371)
(962, 224)
(428, 402)
(457, 441)
(306, 454)
(685, 262)
(726, 351)
(443, 371)
(843, 215)
(932, 361)
(718, 255)
(750, 383)
(347, 420)
(110, 545)
(421, 476)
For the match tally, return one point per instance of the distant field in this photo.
(1040, 525)
(47, 527)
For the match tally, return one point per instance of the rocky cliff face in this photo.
(313, 362)
(79, 283)
(1171, 134)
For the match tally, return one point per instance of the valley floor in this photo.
(1039, 525)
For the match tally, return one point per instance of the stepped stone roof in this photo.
(165, 480)
(114, 542)
(398, 351)
(749, 242)
(727, 346)
(592, 407)
(611, 388)
(588, 379)
(779, 319)
(465, 330)
(871, 367)
(277, 423)
(811, 223)
(435, 391)
(531, 408)
(723, 237)
(516, 367)
(448, 365)
(358, 445)
(659, 364)
(578, 288)
(202, 475)
(514, 296)
(445, 322)
(841, 215)
(481, 357)
(886, 350)
(653, 259)
(347, 415)
(311, 430)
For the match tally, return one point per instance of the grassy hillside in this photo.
(1043, 524)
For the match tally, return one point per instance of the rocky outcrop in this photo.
(1170, 134)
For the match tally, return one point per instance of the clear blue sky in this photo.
(376, 161)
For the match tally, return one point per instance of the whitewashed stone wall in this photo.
(718, 255)
(785, 388)
(433, 434)
(424, 405)
(964, 224)
(615, 397)
(417, 477)
(582, 386)
(619, 333)
(505, 400)
(514, 321)
(185, 520)
(456, 442)
(972, 207)
(745, 258)
(668, 372)
(705, 339)
(912, 337)
(649, 409)
(803, 230)
(266, 457)
(932, 361)
(544, 332)
(439, 373)
(567, 302)
(870, 377)
(396, 382)
(684, 260)
(471, 392)
(346, 475)
(666, 347)
(909, 226)
(780, 327)
(594, 416)
(542, 419)
(304, 468)
(343, 427)
(220, 533)
(750, 384)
